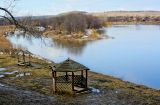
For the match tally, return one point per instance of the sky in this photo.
(53, 7)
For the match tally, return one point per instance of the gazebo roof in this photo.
(70, 66)
(24, 51)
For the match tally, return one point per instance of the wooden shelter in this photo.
(70, 77)
(24, 58)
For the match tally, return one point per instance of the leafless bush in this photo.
(74, 23)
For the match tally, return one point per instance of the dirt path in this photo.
(13, 96)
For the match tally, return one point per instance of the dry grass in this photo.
(115, 83)
(6, 60)
(41, 81)
(4, 43)
(94, 34)
(4, 29)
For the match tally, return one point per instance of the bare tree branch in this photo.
(14, 21)
(25, 29)
(10, 21)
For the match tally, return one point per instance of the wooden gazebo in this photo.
(24, 58)
(70, 77)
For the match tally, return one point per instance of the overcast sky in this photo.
(52, 7)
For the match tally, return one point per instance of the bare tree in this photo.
(8, 15)
(18, 25)
(74, 23)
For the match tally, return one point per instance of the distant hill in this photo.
(105, 14)
(50, 16)
(72, 12)
(36, 17)
(127, 13)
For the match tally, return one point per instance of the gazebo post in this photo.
(82, 73)
(29, 59)
(82, 78)
(18, 57)
(55, 76)
(23, 57)
(73, 81)
(86, 79)
(54, 81)
(66, 76)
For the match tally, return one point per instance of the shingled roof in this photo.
(24, 51)
(70, 66)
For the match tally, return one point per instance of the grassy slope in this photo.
(41, 81)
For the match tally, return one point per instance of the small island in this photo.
(74, 26)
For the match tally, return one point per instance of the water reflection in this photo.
(56, 50)
(75, 47)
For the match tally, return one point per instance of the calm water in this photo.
(133, 55)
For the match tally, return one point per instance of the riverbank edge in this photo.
(132, 23)
(93, 75)
(55, 37)
(75, 37)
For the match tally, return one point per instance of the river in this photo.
(133, 54)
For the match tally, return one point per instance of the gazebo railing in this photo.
(64, 79)
(79, 80)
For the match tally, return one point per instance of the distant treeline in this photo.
(4, 22)
(133, 19)
(79, 22)
(72, 23)
(67, 23)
